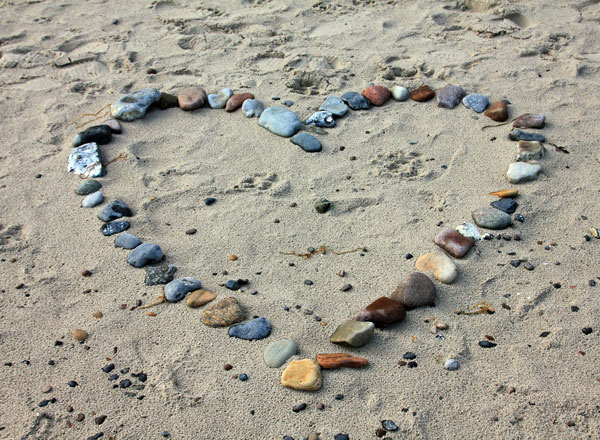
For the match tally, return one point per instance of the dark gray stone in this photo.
(321, 119)
(114, 210)
(162, 274)
(507, 205)
(520, 135)
(101, 134)
(113, 228)
(307, 142)
(356, 101)
(87, 187)
(176, 290)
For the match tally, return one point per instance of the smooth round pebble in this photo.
(307, 142)
(127, 241)
(399, 93)
(251, 108)
(278, 352)
(451, 364)
(92, 200)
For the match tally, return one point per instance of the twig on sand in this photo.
(321, 250)
(477, 309)
(161, 299)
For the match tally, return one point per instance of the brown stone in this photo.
(199, 297)
(498, 111)
(377, 95)
(191, 98)
(415, 291)
(422, 94)
(530, 120)
(454, 242)
(223, 313)
(79, 334)
(236, 101)
(97, 315)
(382, 312)
(331, 361)
(167, 101)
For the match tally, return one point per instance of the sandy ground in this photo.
(542, 55)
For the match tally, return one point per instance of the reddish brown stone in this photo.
(416, 290)
(377, 95)
(191, 98)
(422, 94)
(454, 242)
(338, 360)
(498, 111)
(382, 312)
(236, 101)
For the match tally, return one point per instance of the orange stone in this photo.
(422, 94)
(331, 361)
(79, 335)
(505, 193)
(377, 95)
(236, 101)
(498, 111)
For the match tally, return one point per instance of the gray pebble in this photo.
(127, 241)
(144, 254)
(280, 121)
(252, 108)
(356, 101)
(161, 274)
(114, 210)
(87, 187)
(307, 142)
(220, 99)
(451, 365)
(176, 289)
(334, 105)
(113, 228)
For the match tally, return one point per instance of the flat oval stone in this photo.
(236, 101)
(85, 160)
(377, 95)
(450, 96)
(307, 142)
(454, 242)
(382, 312)
(168, 101)
(303, 375)
(127, 241)
(476, 102)
(280, 121)
(100, 134)
(356, 101)
(332, 361)
(92, 200)
(256, 329)
(252, 108)
(224, 313)
(191, 98)
(353, 333)
(134, 105)
(498, 111)
(530, 120)
(278, 352)
(415, 291)
(200, 297)
(506, 204)
(422, 94)
(161, 274)
(177, 289)
(114, 125)
(335, 106)
(321, 119)
(399, 93)
(520, 135)
(491, 218)
(113, 228)
(144, 254)
(220, 99)
(438, 263)
(530, 150)
(87, 187)
(522, 172)
(114, 210)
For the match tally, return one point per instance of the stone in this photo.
(506, 204)
(530, 150)
(520, 135)
(177, 289)
(200, 297)
(377, 95)
(451, 365)
(87, 187)
(251, 108)
(467, 229)
(134, 105)
(167, 101)
(505, 193)
(114, 210)
(332, 361)
(530, 120)
(307, 142)
(522, 172)
(356, 101)
(79, 335)
(113, 228)
(382, 312)
(232, 285)
(454, 242)
(256, 329)
(85, 160)
(191, 98)
(147, 253)
(440, 264)
(100, 134)
(491, 218)
(498, 111)
(334, 105)
(450, 96)
(322, 206)
(476, 102)
(220, 99)
(127, 241)
(399, 93)
(415, 291)
(224, 313)
(302, 375)
(321, 119)
(236, 101)
(92, 200)
(422, 94)
(389, 425)
(280, 121)
(114, 125)
(278, 352)
(161, 274)
(353, 333)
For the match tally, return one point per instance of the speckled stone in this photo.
(450, 96)
(134, 105)
(416, 290)
(161, 274)
(353, 333)
(303, 375)
(476, 102)
(224, 313)
(321, 119)
(113, 228)
(85, 160)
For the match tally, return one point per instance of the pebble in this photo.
(382, 312)
(243, 377)
(356, 101)
(346, 287)
(467, 229)
(307, 142)
(522, 172)
(161, 274)
(134, 105)
(89, 186)
(114, 210)
(299, 407)
(108, 368)
(334, 105)
(321, 119)
(167, 101)
(100, 134)
(487, 344)
(114, 125)
(476, 102)
(322, 206)
(251, 108)
(256, 329)
(520, 135)
(341, 437)
(389, 425)
(280, 121)
(528, 266)
(147, 253)
(127, 241)
(176, 289)
(530, 150)
(191, 98)
(450, 96)
(191, 231)
(332, 361)
(498, 111)
(92, 200)
(491, 218)
(278, 352)
(288, 103)
(85, 160)
(353, 333)
(72, 383)
(507, 205)
(220, 99)
(399, 93)
(454, 242)
(200, 297)
(422, 94)
(112, 228)
(587, 331)
(224, 313)
(236, 101)
(510, 193)
(377, 95)
(100, 420)
(415, 291)
(209, 201)
(232, 285)
(530, 120)
(451, 365)
(303, 375)
(79, 335)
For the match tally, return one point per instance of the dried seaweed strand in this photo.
(90, 114)
(161, 299)
(321, 250)
(477, 309)
(103, 115)
(497, 125)
(120, 156)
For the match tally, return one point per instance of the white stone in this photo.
(451, 365)
(92, 200)
(399, 93)
(522, 172)
(440, 264)
(469, 230)
(85, 160)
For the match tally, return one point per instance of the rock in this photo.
(422, 94)
(226, 312)
(167, 101)
(520, 135)
(399, 93)
(415, 291)
(147, 253)
(176, 289)
(114, 210)
(382, 312)
(100, 134)
(507, 205)
(377, 95)
(307, 142)
(356, 101)
(280, 121)
(115, 227)
(333, 361)
(498, 111)
(277, 353)
(85, 160)
(303, 375)
(451, 365)
(491, 218)
(134, 105)
(87, 187)
(79, 335)
(389, 425)
(236, 101)
(322, 206)
(353, 333)
(219, 100)
(505, 193)
(454, 242)
(114, 125)
(450, 96)
(530, 120)
(127, 241)
(252, 108)
(161, 274)
(467, 229)
(92, 200)
(191, 98)
(200, 297)
(334, 105)
(232, 285)
(321, 119)
(256, 329)
(522, 172)
(530, 150)
(438, 263)
(476, 102)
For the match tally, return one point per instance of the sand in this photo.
(543, 56)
